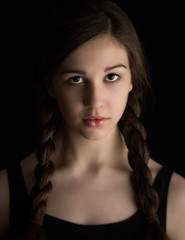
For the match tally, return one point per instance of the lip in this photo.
(95, 117)
(95, 121)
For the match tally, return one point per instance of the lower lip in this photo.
(93, 123)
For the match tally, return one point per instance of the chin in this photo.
(93, 137)
(95, 134)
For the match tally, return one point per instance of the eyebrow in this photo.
(115, 66)
(84, 73)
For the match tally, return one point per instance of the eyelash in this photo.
(77, 83)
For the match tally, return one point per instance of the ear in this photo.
(50, 88)
(131, 86)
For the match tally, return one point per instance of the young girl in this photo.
(91, 176)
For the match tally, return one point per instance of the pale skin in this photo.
(91, 184)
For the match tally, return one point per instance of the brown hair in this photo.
(66, 28)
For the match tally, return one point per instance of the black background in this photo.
(160, 27)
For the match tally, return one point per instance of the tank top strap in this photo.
(19, 200)
(161, 185)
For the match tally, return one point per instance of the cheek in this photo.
(119, 101)
(67, 101)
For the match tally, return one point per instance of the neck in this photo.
(79, 152)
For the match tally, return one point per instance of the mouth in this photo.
(95, 121)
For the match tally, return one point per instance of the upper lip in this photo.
(95, 117)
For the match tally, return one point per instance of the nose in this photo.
(94, 96)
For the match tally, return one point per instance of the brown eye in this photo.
(112, 77)
(76, 80)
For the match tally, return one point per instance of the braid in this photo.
(44, 170)
(141, 178)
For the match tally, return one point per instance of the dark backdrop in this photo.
(160, 29)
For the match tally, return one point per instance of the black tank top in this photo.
(130, 229)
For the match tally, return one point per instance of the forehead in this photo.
(100, 51)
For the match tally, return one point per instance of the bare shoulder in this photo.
(175, 225)
(4, 203)
(154, 168)
(28, 165)
(176, 208)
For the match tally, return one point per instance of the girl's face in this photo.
(91, 87)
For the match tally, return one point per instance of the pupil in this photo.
(111, 76)
(76, 79)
